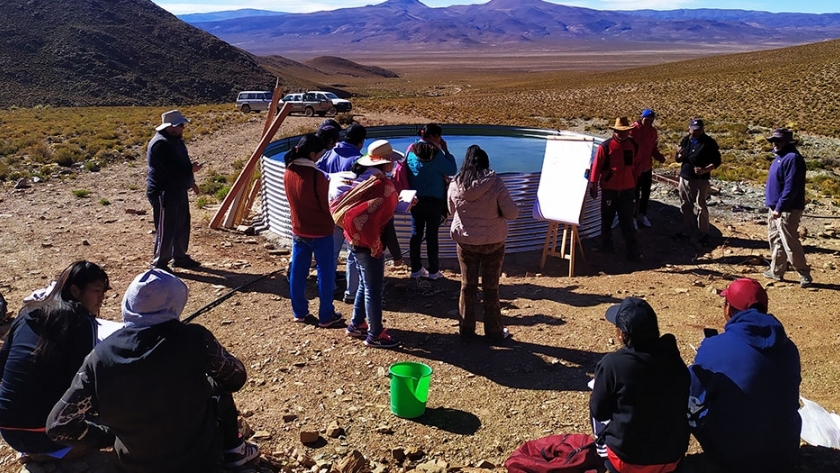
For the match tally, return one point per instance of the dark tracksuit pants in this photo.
(171, 211)
(622, 203)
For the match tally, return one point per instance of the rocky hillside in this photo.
(115, 52)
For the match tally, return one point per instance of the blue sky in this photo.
(179, 7)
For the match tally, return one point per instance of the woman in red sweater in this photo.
(312, 229)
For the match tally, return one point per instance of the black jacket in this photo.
(150, 387)
(170, 167)
(644, 395)
(700, 154)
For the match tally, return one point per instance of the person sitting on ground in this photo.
(46, 345)
(366, 213)
(430, 164)
(158, 389)
(639, 394)
(744, 401)
(480, 205)
(307, 190)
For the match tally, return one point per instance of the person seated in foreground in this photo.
(162, 388)
(639, 394)
(745, 387)
(46, 345)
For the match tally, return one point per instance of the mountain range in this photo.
(410, 25)
(115, 52)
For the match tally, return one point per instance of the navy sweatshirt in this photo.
(748, 379)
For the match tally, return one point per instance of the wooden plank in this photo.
(248, 171)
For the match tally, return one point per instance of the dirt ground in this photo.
(484, 400)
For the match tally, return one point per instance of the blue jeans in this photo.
(302, 250)
(426, 217)
(368, 304)
(350, 271)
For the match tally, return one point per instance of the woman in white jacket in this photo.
(480, 206)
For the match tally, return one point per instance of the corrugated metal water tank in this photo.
(525, 234)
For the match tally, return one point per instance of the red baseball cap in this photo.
(744, 293)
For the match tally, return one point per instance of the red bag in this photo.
(564, 453)
(400, 174)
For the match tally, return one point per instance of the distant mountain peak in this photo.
(404, 4)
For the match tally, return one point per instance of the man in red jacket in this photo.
(615, 169)
(646, 137)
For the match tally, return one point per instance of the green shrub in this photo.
(201, 202)
(222, 192)
(103, 201)
(68, 155)
(81, 193)
(213, 182)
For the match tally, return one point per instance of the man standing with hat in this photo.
(170, 175)
(616, 169)
(785, 197)
(699, 155)
(744, 404)
(640, 393)
(646, 137)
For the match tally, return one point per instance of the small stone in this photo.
(22, 184)
(246, 229)
(485, 465)
(355, 462)
(309, 436)
(698, 283)
(46, 245)
(334, 431)
(384, 429)
(85, 243)
(414, 453)
(289, 417)
(261, 435)
(398, 453)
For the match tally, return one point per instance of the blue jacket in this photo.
(785, 190)
(427, 177)
(340, 158)
(747, 382)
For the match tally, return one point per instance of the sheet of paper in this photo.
(563, 185)
(106, 328)
(405, 198)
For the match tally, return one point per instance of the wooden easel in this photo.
(568, 245)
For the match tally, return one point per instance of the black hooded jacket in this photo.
(644, 394)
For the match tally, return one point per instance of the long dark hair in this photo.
(475, 163)
(308, 144)
(424, 150)
(60, 310)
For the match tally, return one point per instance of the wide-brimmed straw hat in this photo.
(379, 152)
(171, 118)
(622, 124)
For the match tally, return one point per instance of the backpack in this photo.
(400, 175)
(563, 453)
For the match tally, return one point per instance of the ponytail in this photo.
(309, 143)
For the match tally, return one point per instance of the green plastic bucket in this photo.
(409, 388)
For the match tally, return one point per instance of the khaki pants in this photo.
(695, 212)
(783, 235)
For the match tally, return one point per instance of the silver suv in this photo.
(255, 100)
(308, 104)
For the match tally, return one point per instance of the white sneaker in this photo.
(615, 222)
(436, 276)
(644, 220)
(420, 273)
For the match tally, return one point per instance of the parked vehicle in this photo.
(339, 104)
(253, 100)
(308, 104)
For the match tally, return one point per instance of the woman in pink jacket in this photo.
(480, 206)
